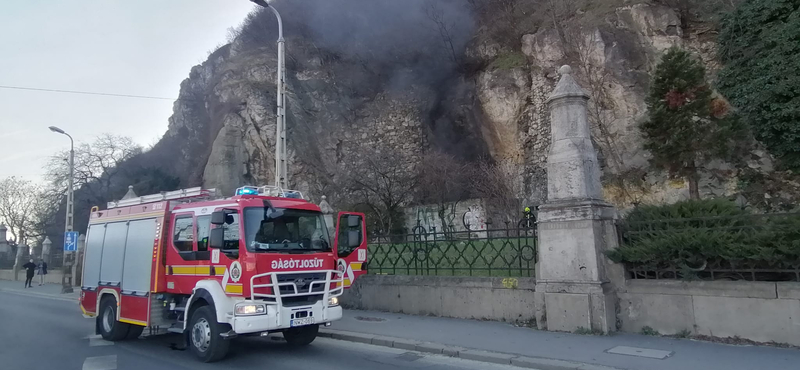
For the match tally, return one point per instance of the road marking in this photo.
(97, 341)
(100, 363)
(640, 352)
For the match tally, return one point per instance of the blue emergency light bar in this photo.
(270, 191)
(247, 190)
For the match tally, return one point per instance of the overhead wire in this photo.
(88, 93)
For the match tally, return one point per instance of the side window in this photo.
(232, 232)
(183, 234)
(203, 225)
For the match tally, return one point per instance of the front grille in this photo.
(303, 282)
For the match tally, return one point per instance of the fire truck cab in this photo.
(260, 262)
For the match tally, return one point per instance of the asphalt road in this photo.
(40, 333)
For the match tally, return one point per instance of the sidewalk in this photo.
(46, 290)
(501, 338)
(682, 354)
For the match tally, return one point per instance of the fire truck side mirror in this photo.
(216, 237)
(218, 217)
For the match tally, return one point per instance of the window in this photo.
(183, 234)
(293, 230)
(231, 232)
(203, 225)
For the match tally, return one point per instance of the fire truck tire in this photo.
(134, 331)
(301, 336)
(110, 328)
(204, 335)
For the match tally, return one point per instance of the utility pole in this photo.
(66, 284)
(280, 130)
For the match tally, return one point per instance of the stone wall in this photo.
(758, 311)
(467, 215)
(501, 299)
(53, 276)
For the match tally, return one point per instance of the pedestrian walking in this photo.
(30, 269)
(41, 270)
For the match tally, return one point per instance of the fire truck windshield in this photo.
(295, 231)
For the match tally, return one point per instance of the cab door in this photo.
(351, 246)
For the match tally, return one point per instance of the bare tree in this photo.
(96, 165)
(445, 29)
(384, 182)
(443, 181)
(23, 207)
(499, 184)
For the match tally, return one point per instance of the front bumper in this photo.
(279, 318)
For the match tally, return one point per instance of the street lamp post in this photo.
(280, 130)
(66, 286)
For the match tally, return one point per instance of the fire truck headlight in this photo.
(246, 309)
(333, 301)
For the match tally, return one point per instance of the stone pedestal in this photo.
(327, 215)
(576, 226)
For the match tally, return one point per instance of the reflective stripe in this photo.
(233, 288)
(196, 270)
(356, 266)
(134, 322)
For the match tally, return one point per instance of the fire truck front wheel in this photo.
(110, 328)
(204, 335)
(301, 336)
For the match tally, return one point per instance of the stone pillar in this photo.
(36, 250)
(77, 267)
(18, 261)
(5, 248)
(46, 249)
(576, 226)
(327, 212)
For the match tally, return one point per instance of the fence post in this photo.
(575, 225)
(47, 246)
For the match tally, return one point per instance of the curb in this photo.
(40, 295)
(538, 363)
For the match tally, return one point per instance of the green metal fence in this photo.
(503, 253)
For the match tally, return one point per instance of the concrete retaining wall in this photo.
(759, 311)
(53, 277)
(501, 299)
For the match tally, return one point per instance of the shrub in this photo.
(692, 237)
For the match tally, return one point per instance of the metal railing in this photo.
(754, 247)
(501, 252)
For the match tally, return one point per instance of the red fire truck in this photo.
(211, 269)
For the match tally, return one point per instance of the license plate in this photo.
(301, 322)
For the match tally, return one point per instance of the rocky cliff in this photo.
(469, 78)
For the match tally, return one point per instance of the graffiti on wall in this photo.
(473, 218)
(453, 217)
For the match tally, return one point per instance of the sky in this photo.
(134, 47)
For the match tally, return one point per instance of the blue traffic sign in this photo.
(70, 241)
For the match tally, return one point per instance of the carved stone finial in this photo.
(567, 87)
(130, 194)
(325, 207)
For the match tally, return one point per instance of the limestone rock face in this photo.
(222, 132)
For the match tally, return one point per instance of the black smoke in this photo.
(378, 46)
